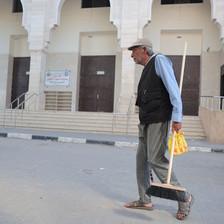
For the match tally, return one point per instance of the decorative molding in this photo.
(121, 15)
(130, 17)
(49, 13)
(116, 15)
(27, 11)
(217, 16)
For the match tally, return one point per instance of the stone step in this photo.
(89, 122)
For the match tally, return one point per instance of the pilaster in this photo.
(130, 17)
(40, 17)
(36, 81)
(127, 80)
(217, 16)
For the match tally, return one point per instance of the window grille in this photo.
(58, 100)
(95, 3)
(166, 2)
(17, 6)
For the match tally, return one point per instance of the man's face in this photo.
(139, 54)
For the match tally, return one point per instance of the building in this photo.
(77, 49)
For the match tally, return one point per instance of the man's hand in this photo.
(138, 125)
(176, 126)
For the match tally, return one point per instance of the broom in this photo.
(167, 190)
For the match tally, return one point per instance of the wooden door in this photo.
(20, 80)
(222, 82)
(97, 83)
(191, 82)
(222, 87)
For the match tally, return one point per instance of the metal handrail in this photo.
(212, 102)
(117, 104)
(27, 108)
(17, 99)
(115, 113)
(9, 106)
(129, 112)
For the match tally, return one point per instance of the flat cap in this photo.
(141, 42)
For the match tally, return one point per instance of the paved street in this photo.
(46, 182)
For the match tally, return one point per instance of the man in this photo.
(159, 101)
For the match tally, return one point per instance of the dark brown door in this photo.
(222, 87)
(191, 81)
(222, 81)
(20, 80)
(97, 83)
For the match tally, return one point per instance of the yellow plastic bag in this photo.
(180, 144)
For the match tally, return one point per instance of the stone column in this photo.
(36, 80)
(217, 16)
(40, 17)
(129, 16)
(127, 80)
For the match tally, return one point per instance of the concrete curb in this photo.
(90, 141)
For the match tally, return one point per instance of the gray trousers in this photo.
(152, 146)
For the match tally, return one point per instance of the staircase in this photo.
(90, 122)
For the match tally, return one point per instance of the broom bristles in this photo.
(167, 191)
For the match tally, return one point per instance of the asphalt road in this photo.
(45, 182)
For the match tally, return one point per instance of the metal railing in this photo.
(115, 113)
(130, 107)
(17, 102)
(23, 103)
(212, 102)
(128, 114)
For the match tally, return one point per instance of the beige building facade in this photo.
(60, 35)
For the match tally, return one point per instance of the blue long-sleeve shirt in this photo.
(164, 70)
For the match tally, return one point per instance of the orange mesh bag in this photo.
(180, 144)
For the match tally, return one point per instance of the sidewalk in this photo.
(199, 145)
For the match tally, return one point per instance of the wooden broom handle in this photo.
(182, 68)
(171, 158)
(174, 133)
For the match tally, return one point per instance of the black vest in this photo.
(153, 98)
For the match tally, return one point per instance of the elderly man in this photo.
(159, 101)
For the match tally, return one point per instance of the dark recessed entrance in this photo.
(20, 80)
(97, 83)
(191, 81)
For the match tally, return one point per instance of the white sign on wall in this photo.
(57, 77)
